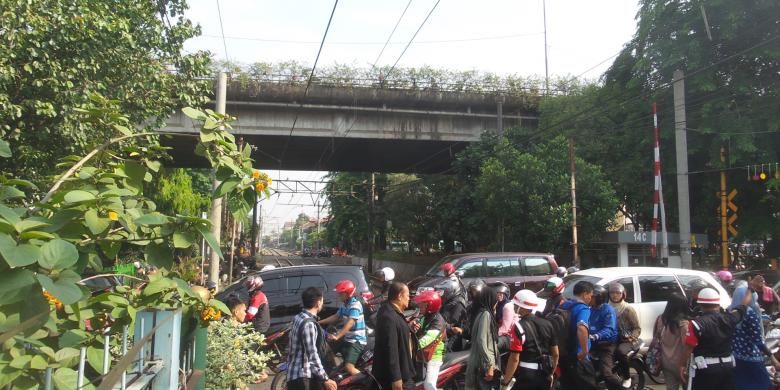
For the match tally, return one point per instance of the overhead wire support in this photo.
(222, 32)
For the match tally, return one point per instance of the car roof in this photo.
(496, 254)
(308, 266)
(617, 271)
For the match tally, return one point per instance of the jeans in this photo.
(432, 374)
(606, 356)
(621, 353)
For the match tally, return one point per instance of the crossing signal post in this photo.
(728, 214)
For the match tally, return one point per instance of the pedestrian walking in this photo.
(710, 335)
(351, 339)
(257, 311)
(749, 347)
(483, 368)
(394, 350)
(629, 329)
(576, 366)
(307, 358)
(670, 330)
(533, 349)
(431, 331)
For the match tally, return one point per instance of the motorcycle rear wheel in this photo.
(280, 381)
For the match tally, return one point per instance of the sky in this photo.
(500, 36)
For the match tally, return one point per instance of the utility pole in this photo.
(500, 115)
(546, 67)
(681, 146)
(372, 196)
(260, 227)
(216, 203)
(574, 242)
(318, 225)
(253, 228)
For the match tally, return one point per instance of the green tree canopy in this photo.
(54, 54)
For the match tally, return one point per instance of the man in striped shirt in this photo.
(352, 336)
(305, 360)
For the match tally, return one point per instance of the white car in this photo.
(648, 288)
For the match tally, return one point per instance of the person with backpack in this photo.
(453, 311)
(669, 333)
(604, 336)
(306, 368)
(353, 330)
(482, 369)
(431, 332)
(258, 311)
(628, 328)
(533, 349)
(572, 323)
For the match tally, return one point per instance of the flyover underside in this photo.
(331, 154)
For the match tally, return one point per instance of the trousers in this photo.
(304, 384)
(606, 356)
(528, 379)
(715, 376)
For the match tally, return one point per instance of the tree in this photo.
(408, 205)
(175, 193)
(55, 54)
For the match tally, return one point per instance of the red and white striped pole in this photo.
(658, 195)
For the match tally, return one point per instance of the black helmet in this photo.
(475, 289)
(572, 270)
(448, 289)
(501, 287)
(600, 295)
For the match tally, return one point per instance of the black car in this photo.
(283, 287)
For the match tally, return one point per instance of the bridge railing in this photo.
(499, 86)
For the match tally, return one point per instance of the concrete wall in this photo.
(403, 271)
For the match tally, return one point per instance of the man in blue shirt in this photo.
(353, 331)
(603, 336)
(577, 369)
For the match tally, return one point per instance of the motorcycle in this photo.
(452, 375)
(636, 369)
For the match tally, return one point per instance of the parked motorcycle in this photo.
(636, 369)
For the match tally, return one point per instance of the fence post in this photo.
(199, 355)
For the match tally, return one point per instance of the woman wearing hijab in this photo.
(749, 348)
(483, 368)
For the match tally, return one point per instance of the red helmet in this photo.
(345, 287)
(432, 298)
(447, 268)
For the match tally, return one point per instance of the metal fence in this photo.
(158, 360)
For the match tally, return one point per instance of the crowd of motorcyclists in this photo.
(533, 339)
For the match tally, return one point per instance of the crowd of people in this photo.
(525, 342)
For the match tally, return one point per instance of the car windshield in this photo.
(435, 271)
(573, 279)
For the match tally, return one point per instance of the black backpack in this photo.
(327, 357)
(561, 323)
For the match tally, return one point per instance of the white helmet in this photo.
(389, 274)
(708, 296)
(526, 299)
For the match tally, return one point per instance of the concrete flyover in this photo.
(342, 127)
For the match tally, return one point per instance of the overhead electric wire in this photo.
(222, 32)
(413, 36)
(375, 43)
(308, 84)
(391, 34)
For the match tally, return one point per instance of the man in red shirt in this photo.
(257, 311)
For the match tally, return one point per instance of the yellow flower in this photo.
(255, 174)
(112, 215)
(269, 182)
(52, 300)
(260, 187)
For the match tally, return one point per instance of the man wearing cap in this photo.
(711, 336)
(533, 349)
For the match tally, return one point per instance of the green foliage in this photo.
(174, 193)
(55, 54)
(232, 357)
(731, 100)
(95, 210)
